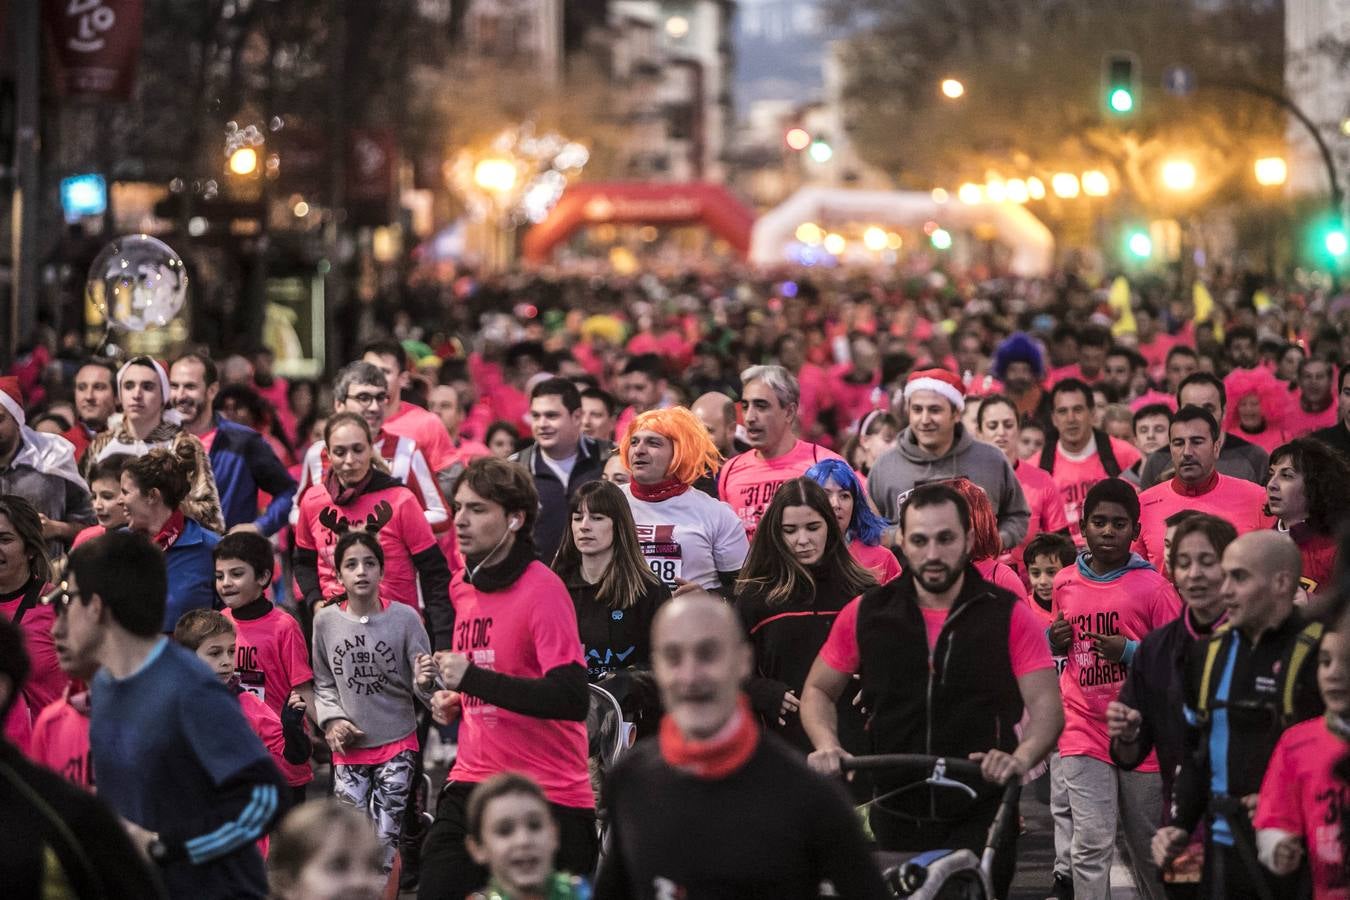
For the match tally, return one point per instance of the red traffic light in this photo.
(797, 138)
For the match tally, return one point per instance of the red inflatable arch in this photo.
(640, 203)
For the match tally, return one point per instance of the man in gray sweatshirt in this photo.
(936, 447)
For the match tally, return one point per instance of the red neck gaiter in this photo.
(1196, 490)
(655, 493)
(171, 531)
(717, 757)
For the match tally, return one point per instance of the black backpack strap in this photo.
(1106, 453)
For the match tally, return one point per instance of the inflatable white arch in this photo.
(1030, 242)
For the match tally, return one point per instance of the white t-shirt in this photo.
(561, 467)
(691, 537)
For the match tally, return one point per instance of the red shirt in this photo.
(61, 741)
(426, 431)
(1027, 646)
(1075, 477)
(1302, 796)
(403, 536)
(1132, 605)
(523, 631)
(1046, 502)
(46, 682)
(1233, 499)
(880, 561)
(748, 481)
(271, 659)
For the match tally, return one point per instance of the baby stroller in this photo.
(624, 707)
(942, 874)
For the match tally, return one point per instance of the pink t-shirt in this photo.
(1075, 478)
(1300, 795)
(1027, 646)
(271, 659)
(267, 727)
(1133, 605)
(880, 561)
(1046, 502)
(46, 682)
(1298, 422)
(61, 742)
(18, 725)
(404, 535)
(749, 481)
(813, 382)
(997, 573)
(524, 631)
(1233, 499)
(88, 534)
(425, 430)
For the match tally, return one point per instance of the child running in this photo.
(271, 659)
(211, 636)
(105, 494)
(372, 659)
(512, 833)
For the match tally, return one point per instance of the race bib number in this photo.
(662, 552)
(252, 681)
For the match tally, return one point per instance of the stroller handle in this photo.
(882, 761)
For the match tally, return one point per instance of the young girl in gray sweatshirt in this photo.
(372, 663)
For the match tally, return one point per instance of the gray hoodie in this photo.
(363, 672)
(908, 465)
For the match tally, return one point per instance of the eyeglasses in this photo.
(60, 598)
(367, 399)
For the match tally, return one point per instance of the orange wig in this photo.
(695, 453)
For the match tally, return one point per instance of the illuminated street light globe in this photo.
(1095, 183)
(1271, 171)
(244, 161)
(1065, 185)
(952, 88)
(1178, 175)
(797, 138)
(496, 176)
(874, 239)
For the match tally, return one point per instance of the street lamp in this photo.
(1065, 185)
(1016, 190)
(495, 175)
(952, 89)
(1095, 183)
(244, 161)
(970, 193)
(1035, 188)
(1178, 175)
(875, 239)
(1271, 171)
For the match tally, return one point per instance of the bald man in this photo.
(1244, 686)
(717, 412)
(767, 826)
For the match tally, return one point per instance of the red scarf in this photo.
(171, 531)
(344, 495)
(720, 755)
(655, 493)
(1196, 490)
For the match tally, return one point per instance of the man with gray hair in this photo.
(748, 481)
(363, 389)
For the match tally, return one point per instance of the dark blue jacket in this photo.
(243, 463)
(191, 571)
(554, 496)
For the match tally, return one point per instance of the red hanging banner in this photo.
(96, 45)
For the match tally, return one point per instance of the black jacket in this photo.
(961, 698)
(1155, 687)
(614, 639)
(1249, 725)
(554, 496)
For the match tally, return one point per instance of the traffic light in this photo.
(1120, 83)
(1139, 244)
(1336, 243)
(820, 150)
(797, 139)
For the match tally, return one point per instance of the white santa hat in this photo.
(11, 398)
(169, 414)
(941, 382)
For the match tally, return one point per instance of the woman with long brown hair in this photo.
(797, 578)
(615, 594)
(24, 575)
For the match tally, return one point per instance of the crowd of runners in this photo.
(1085, 536)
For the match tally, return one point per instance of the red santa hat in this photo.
(11, 398)
(941, 382)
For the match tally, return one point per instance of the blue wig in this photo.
(1019, 347)
(865, 526)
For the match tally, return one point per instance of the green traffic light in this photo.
(1121, 100)
(1336, 242)
(1140, 245)
(941, 239)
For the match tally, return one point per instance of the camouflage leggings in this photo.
(381, 791)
